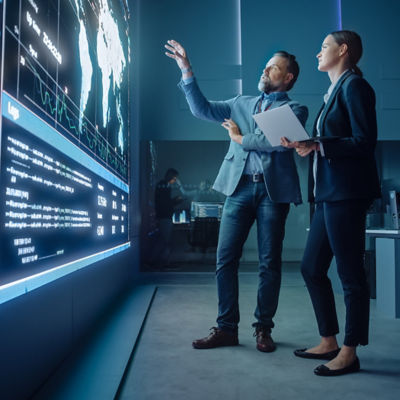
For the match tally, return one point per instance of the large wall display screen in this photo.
(64, 129)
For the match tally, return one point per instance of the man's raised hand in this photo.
(178, 53)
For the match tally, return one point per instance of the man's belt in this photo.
(253, 178)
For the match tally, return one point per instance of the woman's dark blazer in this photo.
(348, 169)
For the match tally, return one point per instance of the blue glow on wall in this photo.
(339, 14)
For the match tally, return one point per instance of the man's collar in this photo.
(273, 96)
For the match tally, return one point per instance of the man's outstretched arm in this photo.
(199, 106)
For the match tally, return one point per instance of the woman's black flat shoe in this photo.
(323, 370)
(330, 355)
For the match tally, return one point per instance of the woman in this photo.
(343, 183)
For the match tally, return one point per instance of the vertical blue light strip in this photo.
(339, 11)
(239, 39)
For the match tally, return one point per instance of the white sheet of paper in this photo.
(280, 122)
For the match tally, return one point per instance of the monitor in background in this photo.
(206, 210)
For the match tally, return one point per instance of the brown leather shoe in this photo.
(217, 338)
(264, 341)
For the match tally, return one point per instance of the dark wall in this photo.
(228, 43)
(208, 30)
(378, 25)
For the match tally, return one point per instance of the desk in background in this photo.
(387, 248)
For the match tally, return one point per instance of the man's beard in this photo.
(265, 85)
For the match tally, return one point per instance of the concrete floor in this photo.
(165, 366)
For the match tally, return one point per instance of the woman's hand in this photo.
(303, 149)
(233, 130)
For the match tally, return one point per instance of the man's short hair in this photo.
(171, 174)
(292, 66)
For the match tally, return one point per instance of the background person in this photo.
(164, 208)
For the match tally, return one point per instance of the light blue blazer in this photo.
(280, 173)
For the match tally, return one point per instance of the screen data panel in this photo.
(64, 176)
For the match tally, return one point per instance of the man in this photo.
(260, 181)
(164, 207)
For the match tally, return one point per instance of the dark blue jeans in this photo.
(250, 202)
(338, 229)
